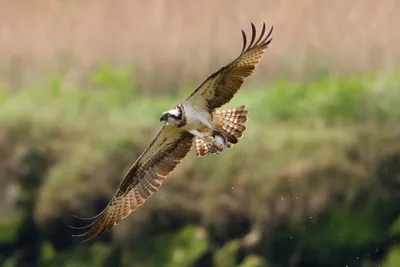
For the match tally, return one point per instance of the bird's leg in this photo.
(215, 132)
(206, 139)
(195, 132)
(207, 124)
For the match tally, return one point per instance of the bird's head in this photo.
(173, 116)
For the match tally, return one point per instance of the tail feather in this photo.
(203, 148)
(232, 122)
(230, 126)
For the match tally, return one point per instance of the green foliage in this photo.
(118, 82)
(55, 85)
(334, 100)
(10, 226)
(188, 245)
(11, 261)
(395, 228)
(95, 255)
(253, 261)
(47, 251)
(393, 257)
(180, 248)
(346, 227)
(226, 256)
(92, 135)
(4, 93)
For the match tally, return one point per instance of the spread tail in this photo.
(231, 129)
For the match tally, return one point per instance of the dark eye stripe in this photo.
(175, 117)
(180, 111)
(179, 117)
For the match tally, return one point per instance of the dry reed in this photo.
(175, 42)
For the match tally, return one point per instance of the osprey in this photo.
(194, 120)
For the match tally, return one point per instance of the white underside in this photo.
(196, 119)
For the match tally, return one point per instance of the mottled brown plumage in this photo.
(219, 88)
(143, 179)
(230, 123)
(194, 118)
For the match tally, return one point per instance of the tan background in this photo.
(180, 41)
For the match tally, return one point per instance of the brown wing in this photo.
(219, 88)
(144, 178)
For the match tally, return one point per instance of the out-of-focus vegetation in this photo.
(314, 181)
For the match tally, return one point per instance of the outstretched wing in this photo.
(144, 178)
(219, 88)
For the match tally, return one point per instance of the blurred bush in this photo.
(314, 182)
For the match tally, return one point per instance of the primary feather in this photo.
(143, 179)
(219, 88)
(187, 121)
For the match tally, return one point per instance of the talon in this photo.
(218, 147)
(215, 132)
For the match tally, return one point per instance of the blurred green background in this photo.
(315, 181)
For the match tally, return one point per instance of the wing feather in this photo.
(219, 87)
(144, 178)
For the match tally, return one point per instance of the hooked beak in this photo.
(164, 117)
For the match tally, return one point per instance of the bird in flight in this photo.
(195, 120)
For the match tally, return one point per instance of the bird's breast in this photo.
(195, 118)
